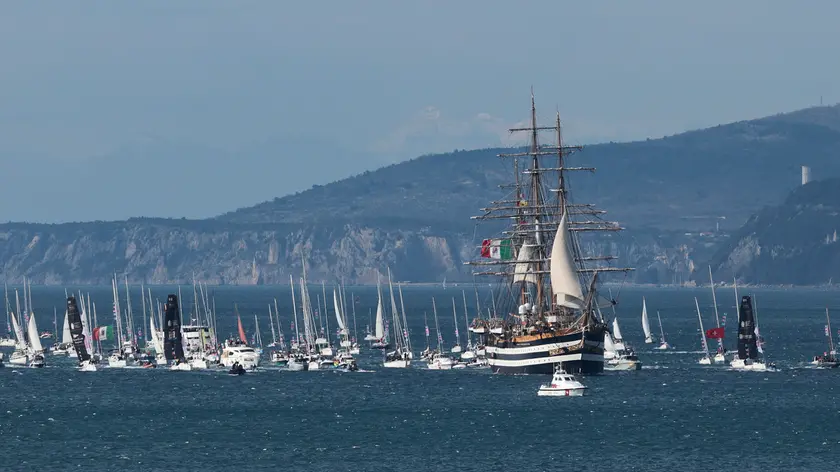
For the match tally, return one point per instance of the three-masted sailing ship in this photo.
(549, 282)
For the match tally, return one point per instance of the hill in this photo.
(792, 243)
(414, 216)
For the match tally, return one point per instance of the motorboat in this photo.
(562, 385)
(61, 349)
(87, 366)
(182, 366)
(279, 358)
(396, 359)
(440, 362)
(116, 360)
(7, 342)
(246, 356)
(37, 361)
(828, 361)
(19, 357)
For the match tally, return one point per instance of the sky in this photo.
(113, 108)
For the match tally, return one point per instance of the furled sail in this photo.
(173, 348)
(524, 271)
(21, 341)
(74, 318)
(564, 280)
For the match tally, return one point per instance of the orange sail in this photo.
(241, 331)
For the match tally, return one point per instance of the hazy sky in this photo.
(111, 109)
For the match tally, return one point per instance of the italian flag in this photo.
(497, 249)
(102, 333)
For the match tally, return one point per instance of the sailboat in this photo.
(828, 359)
(36, 351)
(706, 359)
(646, 323)
(400, 356)
(173, 348)
(77, 332)
(663, 344)
(552, 317)
(720, 355)
(457, 347)
(748, 347)
(438, 360)
(380, 341)
(618, 355)
(66, 344)
(157, 342)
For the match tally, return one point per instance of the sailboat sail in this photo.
(173, 348)
(338, 316)
(525, 270)
(74, 317)
(157, 343)
(564, 280)
(66, 337)
(34, 338)
(645, 322)
(702, 332)
(242, 336)
(21, 340)
(619, 340)
(747, 348)
(380, 326)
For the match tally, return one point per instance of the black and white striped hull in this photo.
(539, 356)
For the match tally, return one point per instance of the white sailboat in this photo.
(36, 351)
(438, 360)
(64, 347)
(720, 355)
(663, 344)
(380, 342)
(399, 357)
(646, 323)
(157, 342)
(706, 359)
(20, 356)
(618, 340)
(457, 347)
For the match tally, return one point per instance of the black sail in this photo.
(172, 344)
(77, 332)
(747, 348)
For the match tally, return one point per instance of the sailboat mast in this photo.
(830, 338)
(702, 333)
(466, 318)
(271, 323)
(131, 334)
(279, 326)
(294, 308)
(404, 320)
(661, 331)
(355, 332)
(145, 323)
(325, 316)
(455, 317)
(437, 326)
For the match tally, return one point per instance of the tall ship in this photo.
(547, 305)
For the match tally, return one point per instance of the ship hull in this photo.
(580, 352)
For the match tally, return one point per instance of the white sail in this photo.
(21, 341)
(608, 344)
(524, 271)
(34, 339)
(157, 342)
(564, 280)
(619, 341)
(66, 337)
(338, 316)
(645, 322)
(380, 327)
(702, 333)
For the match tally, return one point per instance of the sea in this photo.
(673, 415)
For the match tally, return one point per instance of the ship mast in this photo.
(536, 219)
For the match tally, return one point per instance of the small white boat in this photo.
(440, 362)
(116, 360)
(562, 385)
(313, 365)
(664, 344)
(705, 360)
(720, 357)
(397, 360)
(246, 356)
(7, 342)
(182, 366)
(198, 363)
(37, 361)
(297, 365)
(749, 365)
(19, 357)
(87, 366)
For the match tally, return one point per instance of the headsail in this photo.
(74, 317)
(66, 337)
(645, 322)
(564, 280)
(34, 338)
(380, 324)
(338, 315)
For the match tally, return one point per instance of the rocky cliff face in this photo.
(792, 243)
(175, 251)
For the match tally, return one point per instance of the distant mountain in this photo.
(676, 182)
(669, 193)
(792, 243)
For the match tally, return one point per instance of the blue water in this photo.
(673, 415)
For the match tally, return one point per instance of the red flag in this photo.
(715, 333)
(485, 248)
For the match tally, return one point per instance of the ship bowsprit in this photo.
(581, 352)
